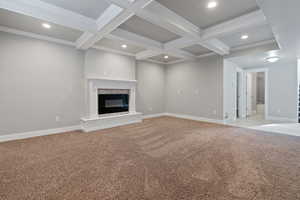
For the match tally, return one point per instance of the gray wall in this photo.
(196, 88)
(38, 81)
(109, 65)
(151, 88)
(283, 89)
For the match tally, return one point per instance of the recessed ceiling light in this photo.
(47, 26)
(212, 4)
(166, 57)
(273, 59)
(124, 46)
(244, 37)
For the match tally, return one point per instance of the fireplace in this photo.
(113, 101)
(110, 103)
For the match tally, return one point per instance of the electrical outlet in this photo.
(150, 109)
(197, 92)
(179, 91)
(214, 112)
(57, 118)
(278, 111)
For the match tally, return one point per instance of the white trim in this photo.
(19, 136)
(281, 119)
(242, 47)
(95, 77)
(207, 55)
(196, 118)
(36, 36)
(155, 61)
(50, 13)
(102, 48)
(154, 115)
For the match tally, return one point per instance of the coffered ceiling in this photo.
(88, 8)
(197, 13)
(150, 29)
(33, 25)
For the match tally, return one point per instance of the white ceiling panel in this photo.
(196, 11)
(88, 8)
(149, 30)
(256, 34)
(197, 50)
(33, 25)
(117, 45)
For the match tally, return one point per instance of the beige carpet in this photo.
(160, 159)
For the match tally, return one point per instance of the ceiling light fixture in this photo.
(244, 37)
(212, 4)
(272, 59)
(47, 26)
(166, 57)
(124, 46)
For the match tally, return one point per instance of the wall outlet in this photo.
(197, 92)
(57, 118)
(214, 112)
(278, 111)
(179, 91)
(150, 109)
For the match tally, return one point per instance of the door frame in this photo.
(266, 71)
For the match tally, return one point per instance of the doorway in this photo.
(256, 95)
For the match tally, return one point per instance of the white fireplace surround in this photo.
(95, 122)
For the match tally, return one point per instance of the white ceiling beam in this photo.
(153, 47)
(112, 17)
(50, 13)
(167, 19)
(147, 54)
(254, 19)
(102, 48)
(132, 38)
(214, 45)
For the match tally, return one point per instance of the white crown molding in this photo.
(18, 136)
(261, 43)
(102, 48)
(36, 36)
(50, 13)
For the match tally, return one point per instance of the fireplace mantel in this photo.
(109, 79)
(93, 121)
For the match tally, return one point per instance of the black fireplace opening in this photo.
(112, 103)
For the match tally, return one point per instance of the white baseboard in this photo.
(154, 115)
(282, 119)
(18, 136)
(196, 118)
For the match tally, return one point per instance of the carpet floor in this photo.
(160, 159)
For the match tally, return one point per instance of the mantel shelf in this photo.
(109, 79)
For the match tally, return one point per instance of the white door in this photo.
(239, 93)
(249, 94)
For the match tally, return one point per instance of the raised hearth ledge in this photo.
(98, 123)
